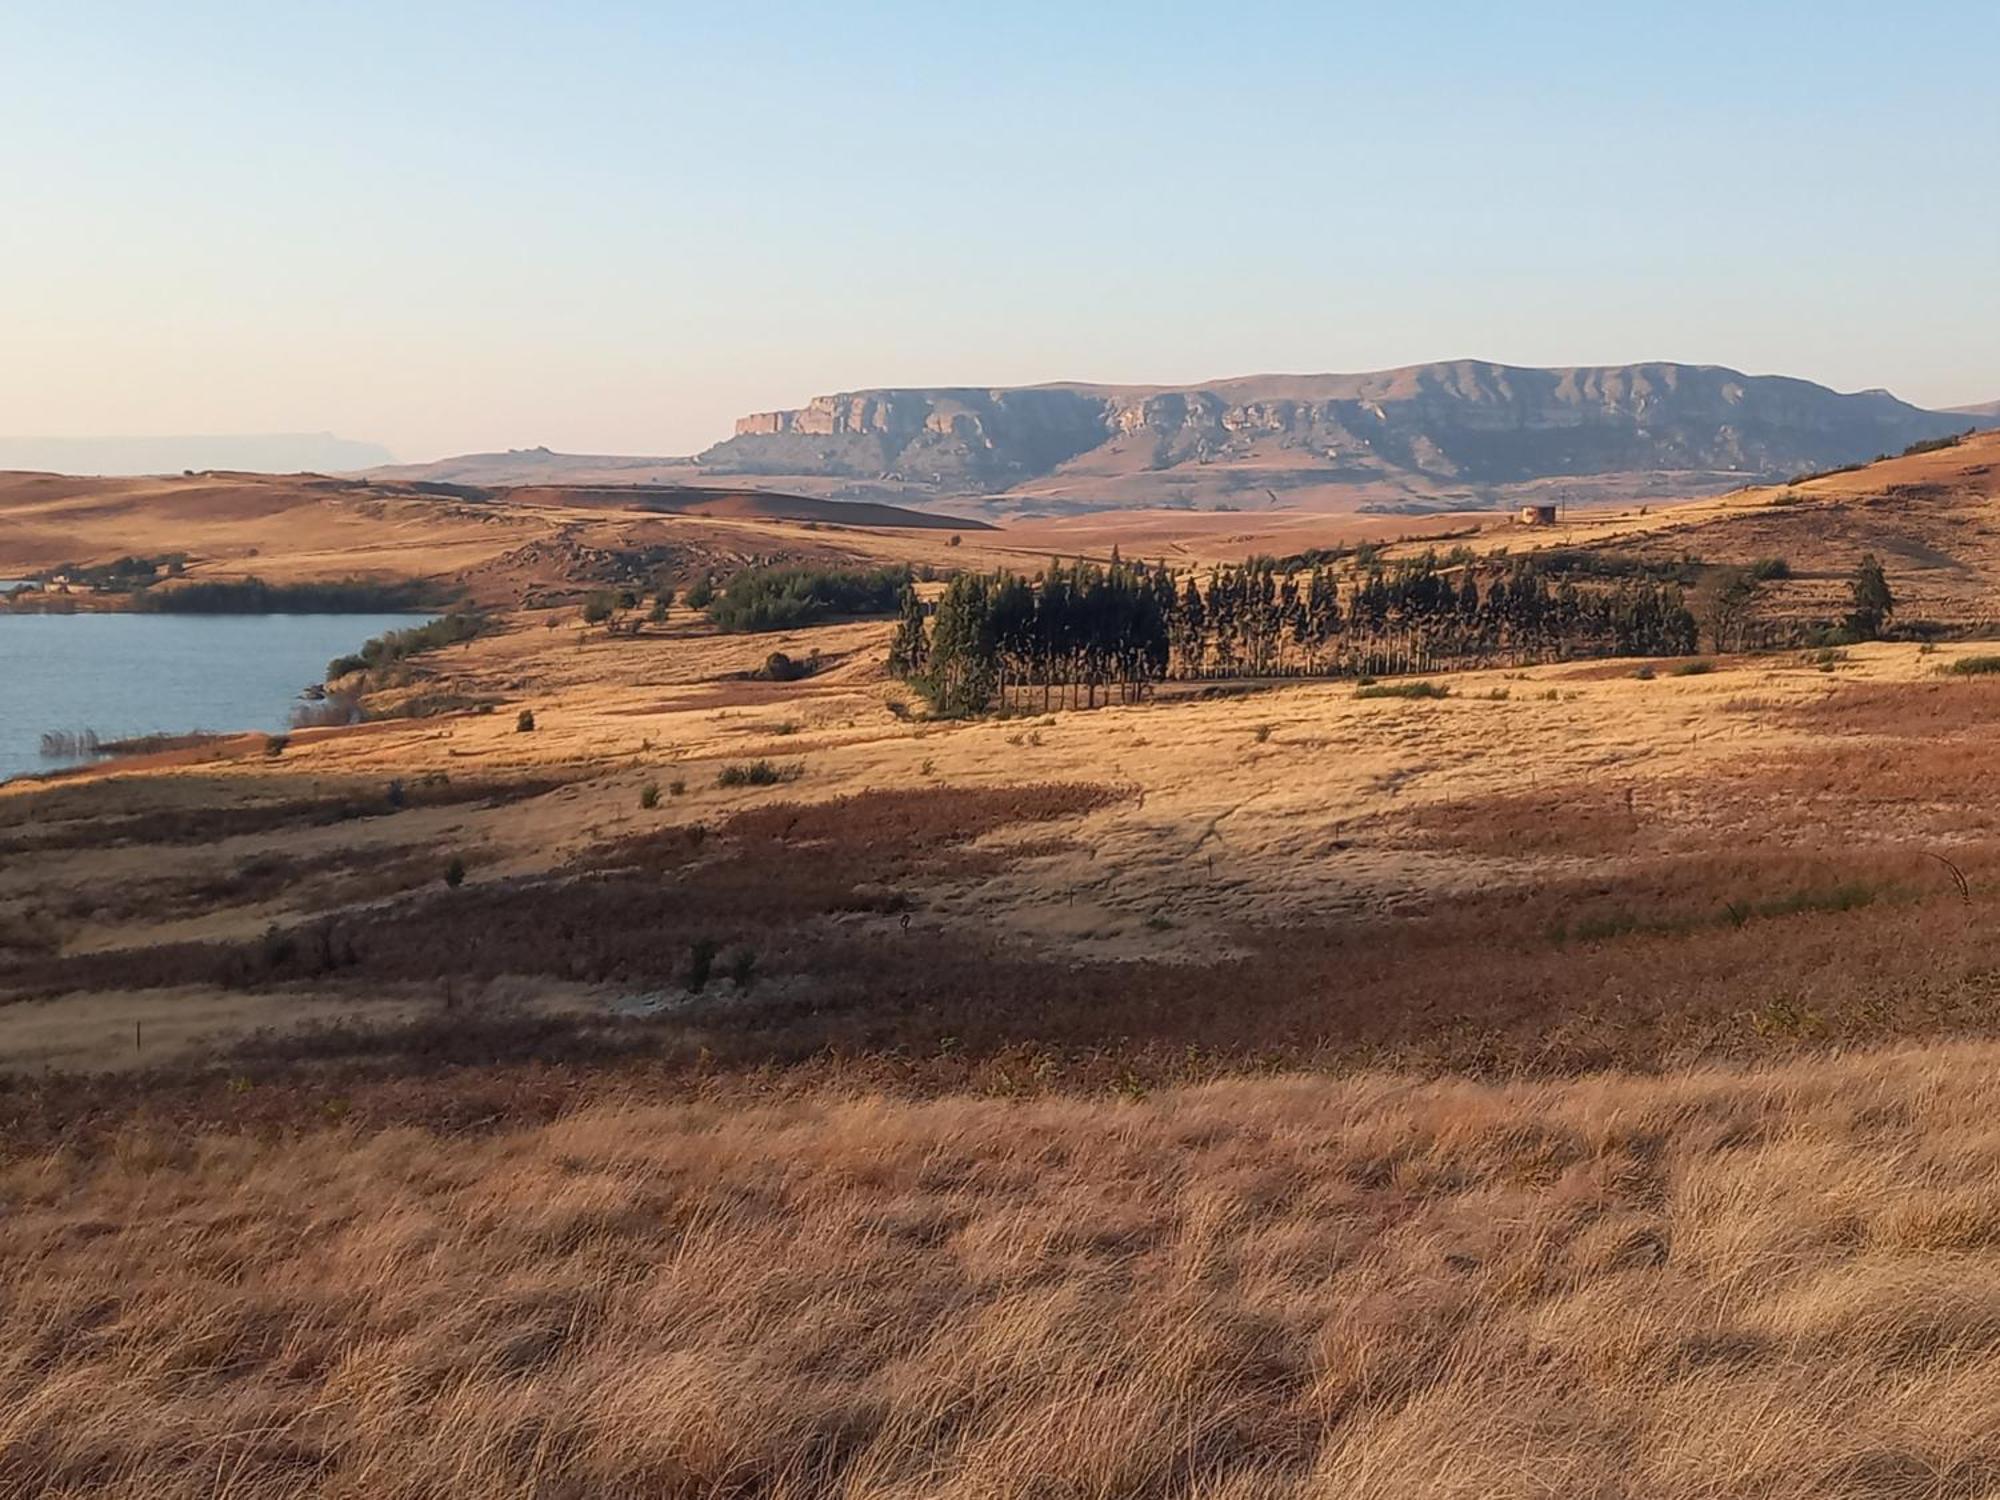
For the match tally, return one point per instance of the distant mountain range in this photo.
(264, 453)
(1424, 437)
(1467, 434)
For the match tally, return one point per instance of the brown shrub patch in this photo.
(634, 915)
(335, 877)
(1677, 961)
(85, 822)
(1904, 710)
(877, 834)
(1562, 820)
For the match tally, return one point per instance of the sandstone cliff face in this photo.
(1469, 426)
(978, 439)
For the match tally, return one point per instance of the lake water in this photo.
(125, 675)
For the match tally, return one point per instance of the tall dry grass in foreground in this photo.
(1777, 1283)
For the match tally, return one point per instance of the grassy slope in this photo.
(1928, 516)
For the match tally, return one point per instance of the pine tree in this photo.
(964, 663)
(1873, 603)
(1193, 635)
(910, 650)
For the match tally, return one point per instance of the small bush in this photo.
(1403, 690)
(454, 873)
(274, 744)
(742, 968)
(334, 710)
(1645, 674)
(758, 773)
(778, 667)
(1699, 667)
(1823, 637)
(1769, 569)
(397, 797)
(1262, 733)
(649, 794)
(677, 788)
(700, 965)
(1974, 666)
(524, 721)
(598, 606)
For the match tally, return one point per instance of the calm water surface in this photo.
(124, 675)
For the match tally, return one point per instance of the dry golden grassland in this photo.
(1773, 1283)
(1580, 1084)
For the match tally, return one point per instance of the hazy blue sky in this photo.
(613, 227)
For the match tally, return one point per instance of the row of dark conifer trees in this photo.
(1084, 631)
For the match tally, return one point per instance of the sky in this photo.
(611, 227)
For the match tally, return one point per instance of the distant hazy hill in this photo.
(267, 452)
(1461, 433)
(1989, 410)
(541, 466)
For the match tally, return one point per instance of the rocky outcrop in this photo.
(977, 439)
(1467, 425)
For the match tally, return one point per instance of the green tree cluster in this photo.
(786, 597)
(396, 645)
(1082, 631)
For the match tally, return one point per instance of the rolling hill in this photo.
(1927, 515)
(496, 547)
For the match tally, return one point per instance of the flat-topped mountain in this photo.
(1429, 436)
